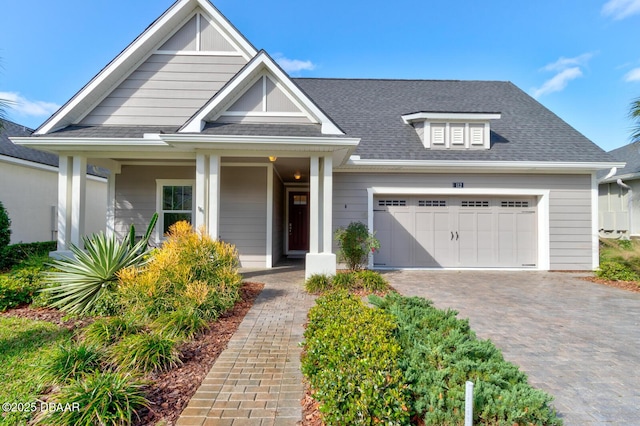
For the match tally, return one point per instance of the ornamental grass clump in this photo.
(350, 361)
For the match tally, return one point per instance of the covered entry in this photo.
(455, 231)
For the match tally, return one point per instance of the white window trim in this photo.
(544, 256)
(160, 183)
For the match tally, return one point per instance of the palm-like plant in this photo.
(79, 281)
(634, 114)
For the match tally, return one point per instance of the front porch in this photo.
(270, 202)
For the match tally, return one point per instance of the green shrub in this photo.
(372, 281)
(184, 323)
(350, 361)
(318, 283)
(145, 352)
(355, 245)
(104, 332)
(5, 229)
(617, 271)
(107, 398)
(30, 253)
(80, 281)
(16, 292)
(72, 360)
(366, 280)
(440, 353)
(625, 244)
(344, 281)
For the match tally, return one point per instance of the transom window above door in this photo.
(175, 202)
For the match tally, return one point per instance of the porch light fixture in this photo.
(273, 158)
(297, 175)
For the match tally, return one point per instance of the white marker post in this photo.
(468, 404)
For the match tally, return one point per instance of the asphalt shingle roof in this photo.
(10, 149)
(631, 155)
(372, 110)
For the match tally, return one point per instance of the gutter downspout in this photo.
(629, 203)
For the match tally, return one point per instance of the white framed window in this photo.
(175, 201)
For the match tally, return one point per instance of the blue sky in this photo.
(579, 58)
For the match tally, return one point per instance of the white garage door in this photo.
(435, 231)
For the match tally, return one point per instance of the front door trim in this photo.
(541, 194)
(290, 189)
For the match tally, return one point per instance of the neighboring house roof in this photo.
(10, 149)
(372, 110)
(631, 155)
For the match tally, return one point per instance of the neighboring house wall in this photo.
(569, 213)
(613, 208)
(29, 192)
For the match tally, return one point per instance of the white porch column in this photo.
(202, 176)
(64, 198)
(314, 204)
(320, 259)
(214, 196)
(78, 199)
(327, 204)
(111, 203)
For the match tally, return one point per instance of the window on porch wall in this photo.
(177, 205)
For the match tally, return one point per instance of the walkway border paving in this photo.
(256, 380)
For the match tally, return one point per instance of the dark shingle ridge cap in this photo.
(401, 79)
(26, 128)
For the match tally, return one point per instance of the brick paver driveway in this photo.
(577, 340)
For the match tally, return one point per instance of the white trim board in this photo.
(544, 258)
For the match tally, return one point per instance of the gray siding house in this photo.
(29, 189)
(195, 123)
(619, 197)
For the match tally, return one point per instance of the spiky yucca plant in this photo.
(79, 281)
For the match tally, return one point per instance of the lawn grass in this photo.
(25, 347)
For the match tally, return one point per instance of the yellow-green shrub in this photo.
(190, 270)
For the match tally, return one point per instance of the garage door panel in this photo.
(457, 232)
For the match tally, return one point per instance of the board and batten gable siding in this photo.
(165, 90)
(243, 206)
(136, 191)
(570, 224)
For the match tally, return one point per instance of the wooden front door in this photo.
(298, 226)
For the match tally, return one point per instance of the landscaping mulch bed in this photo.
(170, 392)
(624, 285)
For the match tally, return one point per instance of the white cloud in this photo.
(564, 63)
(26, 107)
(566, 69)
(558, 82)
(633, 75)
(294, 65)
(620, 9)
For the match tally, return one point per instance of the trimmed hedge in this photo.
(440, 353)
(351, 363)
(360, 280)
(13, 254)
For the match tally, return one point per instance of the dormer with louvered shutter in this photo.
(453, 130)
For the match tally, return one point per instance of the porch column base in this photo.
(320, 263)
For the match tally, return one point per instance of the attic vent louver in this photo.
(453, 130)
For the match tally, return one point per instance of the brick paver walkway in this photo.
(257, 379)
(577, 340)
